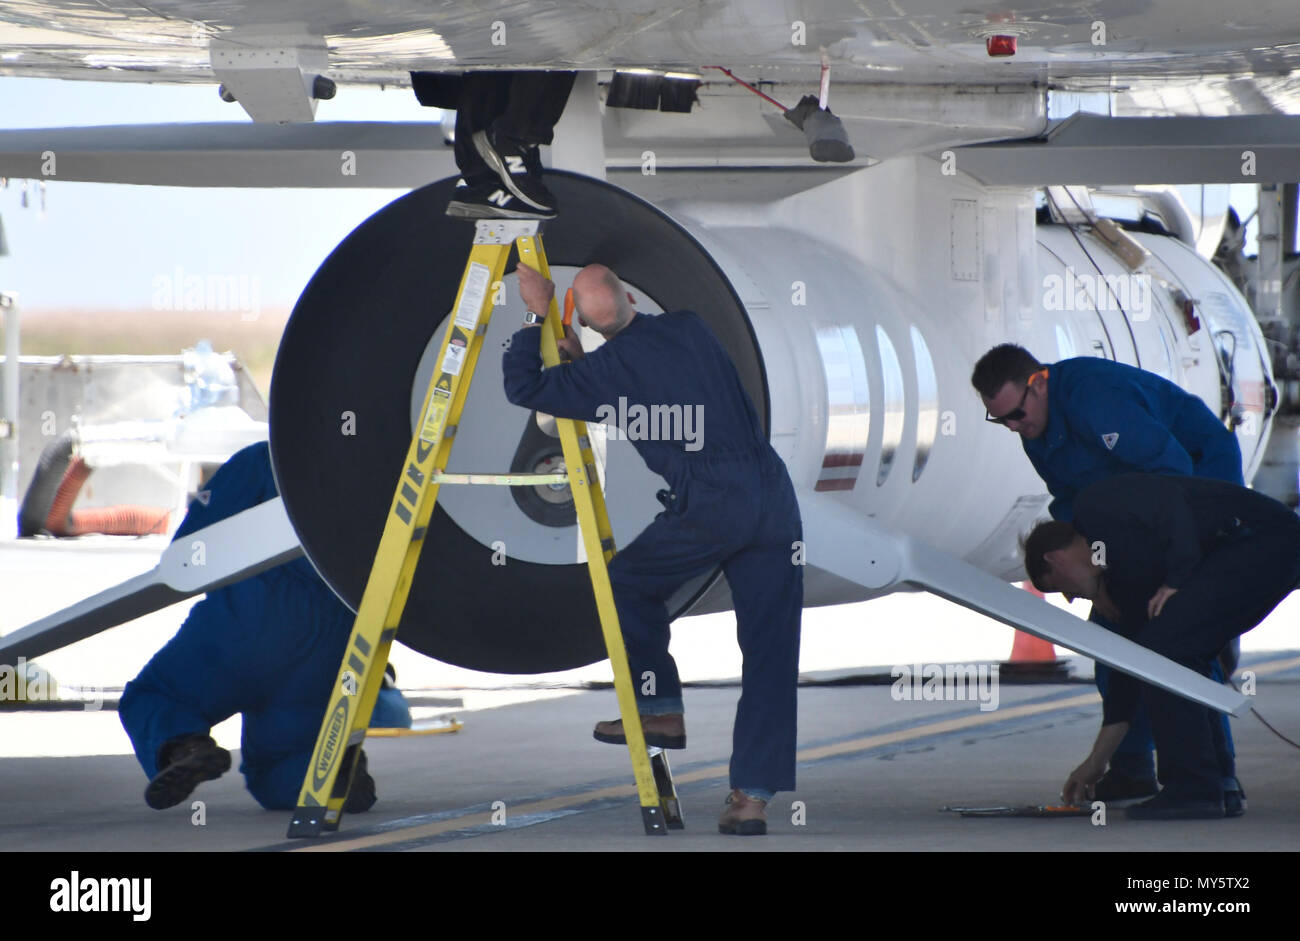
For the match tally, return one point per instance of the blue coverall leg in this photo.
(303, 649)
(643, 576)
(186, 686)
(278, 740)
(742, 515)
(269, 647)
(767, 592)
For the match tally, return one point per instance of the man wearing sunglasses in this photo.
(1084, 420)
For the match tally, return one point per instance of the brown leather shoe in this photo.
(743, 815)
(666, 731)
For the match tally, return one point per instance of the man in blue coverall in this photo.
(730, 503)
(269, 647)
(1189, 564)
(1083, 420)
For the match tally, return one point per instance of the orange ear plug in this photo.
(568, 307)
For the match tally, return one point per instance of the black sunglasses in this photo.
(1017, 413)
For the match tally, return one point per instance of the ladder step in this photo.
(503, 231)
(500, 480)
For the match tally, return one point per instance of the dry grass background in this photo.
(149, 332)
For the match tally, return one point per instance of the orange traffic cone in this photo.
(1030, 654)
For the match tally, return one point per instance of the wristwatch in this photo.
(531, 319)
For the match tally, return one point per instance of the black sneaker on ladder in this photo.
(517, 167)
(491, 200)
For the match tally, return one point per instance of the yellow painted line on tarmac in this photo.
(709, 772)
(947, 725)
(864, 743)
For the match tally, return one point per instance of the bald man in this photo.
(730, 503)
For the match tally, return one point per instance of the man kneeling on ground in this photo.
(269, 647)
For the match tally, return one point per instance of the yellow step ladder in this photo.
(329, 775)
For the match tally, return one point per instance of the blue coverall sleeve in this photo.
(570, 390)
(1144, 443)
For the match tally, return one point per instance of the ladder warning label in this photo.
(451, 362)
(472, 296)
(438, 403)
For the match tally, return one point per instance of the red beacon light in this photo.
(1000, 46)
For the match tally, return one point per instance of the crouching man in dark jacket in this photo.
(1181, 565)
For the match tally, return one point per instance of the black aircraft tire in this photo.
(351, 348)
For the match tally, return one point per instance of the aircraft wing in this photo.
(922, 41)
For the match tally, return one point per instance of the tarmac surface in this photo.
(873, 775)
(524, 773)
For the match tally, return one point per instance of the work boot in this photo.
(362, 796)
(1116, 787)
(1165, 807)
(743, 815)
(666, 731)
(186, 762)
(491, 200)
(510, 160)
